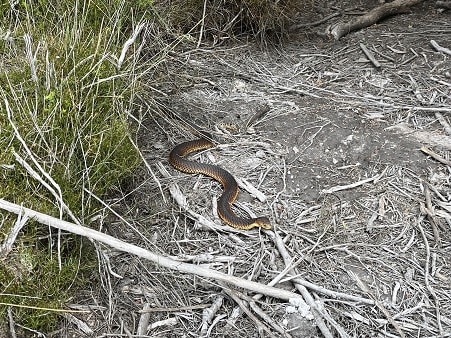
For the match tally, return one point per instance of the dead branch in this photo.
(441, 141)
(81, 325)
(435, 156)
(317, 312)
(373, 16)
(7, 245)
(12, 326)
(428, 210)
(355, 184)
(165, 322)
(209, 313)
(146, 254)
(262, 314)
(370, 55)
(330, 293)
(426, 275)
(439, 48)
(260, 325)
(144, 320)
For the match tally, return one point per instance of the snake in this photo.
(178, 161)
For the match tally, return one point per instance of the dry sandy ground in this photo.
(332, 143)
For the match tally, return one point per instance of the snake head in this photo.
(262, 222)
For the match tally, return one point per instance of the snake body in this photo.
(177, 160)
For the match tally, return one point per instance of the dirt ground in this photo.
(332, 143)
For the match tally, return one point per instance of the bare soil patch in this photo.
(360, 213)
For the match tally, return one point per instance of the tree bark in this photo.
(373, 16)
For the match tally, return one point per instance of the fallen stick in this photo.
(370, 55)
(353, 185)
(435, 156)
(439, 48)
(319, 314)
(246, 185)
(250, 301)
(7, 245)
(373, 16)
(146, 254)
(260, 325)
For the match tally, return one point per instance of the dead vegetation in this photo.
(362, 217)
(369, 252)
(222, 20)
(326, 142)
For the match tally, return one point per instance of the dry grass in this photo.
(364, 239)
(223, 20)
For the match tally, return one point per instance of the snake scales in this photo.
(176, 158)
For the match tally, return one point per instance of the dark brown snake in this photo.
(176, 158)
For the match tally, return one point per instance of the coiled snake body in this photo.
(176, 158)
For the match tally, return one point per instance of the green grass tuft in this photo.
(64, 107)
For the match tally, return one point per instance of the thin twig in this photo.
(144, 320)
(208, 313)
(7, 245)
(307, 298)
(129, 42)
(378, 303)
(12, 329)
(426, 276)
(232, 294)
(429, 211)
(199, 41)
(435, 156)
(315, 23)
(175, 309)
(370, 55)
(263, 315)
(440, 48)
(355, 184)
